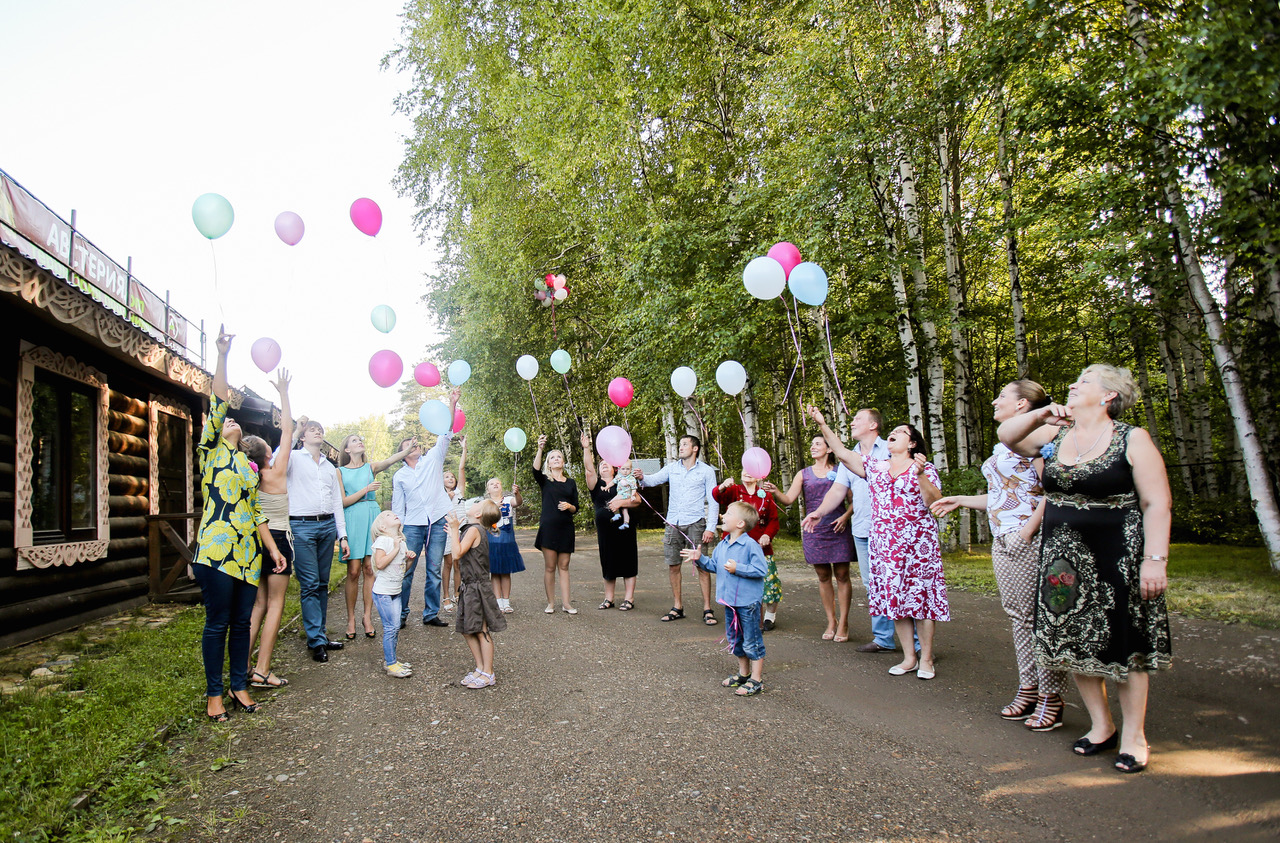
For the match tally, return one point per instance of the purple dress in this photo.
(824, 546)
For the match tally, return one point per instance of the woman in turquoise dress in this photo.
(360, 502)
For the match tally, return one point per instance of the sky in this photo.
(127, 111)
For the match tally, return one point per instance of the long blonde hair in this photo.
(382, 526)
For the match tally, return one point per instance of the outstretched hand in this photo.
(1058, 415)
(816, 414)
(282, 381)
(542, 441)
(586, 441)
(223, 343)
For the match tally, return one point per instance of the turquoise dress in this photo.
(360, 514)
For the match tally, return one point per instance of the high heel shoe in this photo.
(1048, 715)
(249, 708)
(1084, 746)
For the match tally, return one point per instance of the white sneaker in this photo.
(399, 671)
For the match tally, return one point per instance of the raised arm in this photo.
(223, 344)
(588, 461)
(1027, 433)
(537, 457)
(834, 442)
(789, 497)
(382, 465)
(281, 463)
(462, 468)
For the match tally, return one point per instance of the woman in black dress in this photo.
(555, 528)
(1100, 607)
(618, 554)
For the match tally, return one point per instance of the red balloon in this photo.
(786, 254)
(459, 419)
(621, 392)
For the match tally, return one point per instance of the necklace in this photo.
(1075, 440)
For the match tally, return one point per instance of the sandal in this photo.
(674, 615)
(626, 606)
(351, 636)
(1023, 704)
(257, 680)
(737, 680)
(608, 604)
(1126, 763)
(708, 617)
(750, 688)
(1048, 714)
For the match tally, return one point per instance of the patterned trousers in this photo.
(1017, 568)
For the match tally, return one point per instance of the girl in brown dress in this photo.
(478, 614)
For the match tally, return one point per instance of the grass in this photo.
(107, 739)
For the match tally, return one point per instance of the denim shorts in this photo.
(742, 630)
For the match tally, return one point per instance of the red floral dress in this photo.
(906, 559)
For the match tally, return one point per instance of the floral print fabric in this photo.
(906, 559)
(228, 536)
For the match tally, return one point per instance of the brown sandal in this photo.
(1023, 704)
(1048, 714)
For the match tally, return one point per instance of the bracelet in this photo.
(1157, 558)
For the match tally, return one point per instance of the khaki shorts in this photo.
(676, 539)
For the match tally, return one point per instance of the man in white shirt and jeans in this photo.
(418, 496)
(316, 522)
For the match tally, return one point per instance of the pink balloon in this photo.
(540, 295)
(289, 228)
(366, 216)
(785, 254)
(385, 367)
(614, 445)
(756, 462)
(459, 419)
(265, 353)
(426, 374)
(558, 281)
(621, 392)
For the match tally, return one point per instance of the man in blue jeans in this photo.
(418, 496)
(316, 522)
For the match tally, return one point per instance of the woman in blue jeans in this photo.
(232, 534)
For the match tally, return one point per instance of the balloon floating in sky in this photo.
(684, 381)
(515, 439)
(731, 377)
(787, 255)
(621, 392)
(385, 367)
(212, 215)
(459, 371)
(756, 462)
(527, 367)
(265, 353)
(366, 216)
(808, 283)
(383, 318)
(289, 228)
(560, 360)
(426, 374)
(434, 416)
(764, 278)
(614, 445)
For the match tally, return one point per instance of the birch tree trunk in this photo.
(906, 335)
(961, 358)
(669, 430)
(750, 421)
(1177, 417)
(1255, 465)
(1005, 171)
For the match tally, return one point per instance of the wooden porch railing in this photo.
(160, 534)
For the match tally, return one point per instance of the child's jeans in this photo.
(389, 610)
(742, 630)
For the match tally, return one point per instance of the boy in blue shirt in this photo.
(740, 567)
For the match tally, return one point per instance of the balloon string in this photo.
(554, 334)
(216, 293)
(834, 372)
(795, 341)
(668, 523)
(535, 404)
(571, 404)
(799, 334)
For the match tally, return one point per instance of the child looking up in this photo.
(626, 484)
(740, 567)
(390, 550)
(478, 613)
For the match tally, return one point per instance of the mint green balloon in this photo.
(212, 215)
(515, 439)
(560, 360)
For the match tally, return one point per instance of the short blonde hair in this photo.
(746, 512)
(1119, 381)
(382, 526)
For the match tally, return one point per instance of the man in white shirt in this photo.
(418, 496)
(316, 522)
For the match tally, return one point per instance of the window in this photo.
(63, 458)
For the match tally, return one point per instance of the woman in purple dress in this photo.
(829, 548)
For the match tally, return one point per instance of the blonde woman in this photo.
(555, 529)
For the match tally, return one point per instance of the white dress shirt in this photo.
(418, 495)
(314, 488)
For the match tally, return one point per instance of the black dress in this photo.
(618, 554)
(555, 527)
(1090, 616)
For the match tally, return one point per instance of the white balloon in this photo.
(527, 367)
(731, 377)
(764, 278)
(684, 381)
(561, 294)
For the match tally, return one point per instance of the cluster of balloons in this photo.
(213, 216)
(527, 365)
(434, 415)
(730, 377)
(766, 277)
(555, 290)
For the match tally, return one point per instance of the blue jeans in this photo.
(312, 559)
(228, 606)
(427, 542)
(881, 626)
(389, 611)
(742, 631)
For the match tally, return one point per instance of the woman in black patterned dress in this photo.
(1100, 609)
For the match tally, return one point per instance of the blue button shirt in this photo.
(745, 586)
(418, 495)
(691, 495)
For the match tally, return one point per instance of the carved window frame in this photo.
(31, 555)
(157, 405)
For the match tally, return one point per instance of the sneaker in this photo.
(399, 671)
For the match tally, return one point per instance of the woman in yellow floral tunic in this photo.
(232, 535)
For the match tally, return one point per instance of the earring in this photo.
(1103, 402)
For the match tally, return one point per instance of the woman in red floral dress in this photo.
(906, 558)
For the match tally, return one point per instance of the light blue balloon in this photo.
(435, 417)
(212, 215)
(808, 283)
(383, 318)
(560, 360)
(515, 439)
(459, 371)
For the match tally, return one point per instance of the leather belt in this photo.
(328, 516)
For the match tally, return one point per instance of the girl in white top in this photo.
(456, 486)
(390, 552)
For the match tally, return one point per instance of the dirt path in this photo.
(612, 726)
